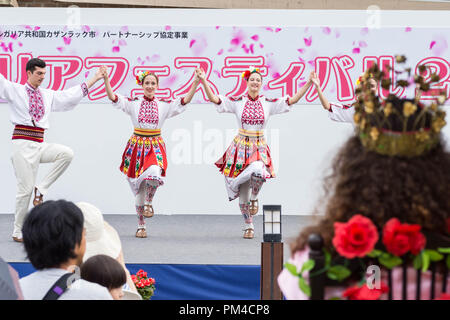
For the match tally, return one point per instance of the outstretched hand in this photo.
(103, 72)
(314, 79)
(200, 74)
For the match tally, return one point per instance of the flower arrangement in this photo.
(356, 239)
(144, 285)
(246, 74)
(140, 76)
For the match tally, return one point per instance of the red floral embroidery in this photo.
(148, 112)
(253, 113)
(36, 104)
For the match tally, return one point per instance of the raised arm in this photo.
(315, 80)
(98, 75)
(192, 90)
(300, 93)
(109, 90)
(211, 96)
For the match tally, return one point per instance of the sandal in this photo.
(253, 208)
(148, 211)
(141, 233)
(37, 199)
(249, 234)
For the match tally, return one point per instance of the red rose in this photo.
(402, 238)
(365, 293)
(152, 281)
(356, 238)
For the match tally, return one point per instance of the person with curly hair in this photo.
(394, 168)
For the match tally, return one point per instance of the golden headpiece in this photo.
(398, 127)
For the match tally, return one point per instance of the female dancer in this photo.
(144, 160)
(247, 163)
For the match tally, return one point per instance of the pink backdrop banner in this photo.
(285, 56)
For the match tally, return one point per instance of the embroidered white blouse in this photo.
(149, 114)
(341, 112)
(23, 100)
(252, 114)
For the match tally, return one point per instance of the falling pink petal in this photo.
(67, 40)
(217, 27)
(337, 33)
(252, 48)
(362, 44)
(408, 29)
(235, 41)
(269, 29)
(60, 49)
(245, 48)
(255, 37)
(116, 49)
(14, 36)
(154, 58)
(124, 29)
(86, 74)
(20, 44)
(122, 42)
(277, 29)
(301, 84)
(266, 87)
(139, 59)
(326, 30)
(275, 75)
(364, 31)
(85, 28)
(261, 45)
(312, 63)
(356, 50)
(439, 45)
(28, 28)
(192, 43)
(308, 41)
(301, 59)
(217, 73)
(432, 44)
(36, 28)
(220, 52)
(301, 50)
(168, 28)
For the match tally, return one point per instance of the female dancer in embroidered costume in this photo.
(247, 163)
(144, 160)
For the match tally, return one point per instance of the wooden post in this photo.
(271, 266)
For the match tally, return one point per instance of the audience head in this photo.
(53, 235)
(105, 271)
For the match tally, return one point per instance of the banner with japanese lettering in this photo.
(285, 56)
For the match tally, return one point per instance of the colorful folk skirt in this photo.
(145, 148)
(247, 147)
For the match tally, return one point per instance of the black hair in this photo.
(51, 232)
(33, 63)
(104, 270)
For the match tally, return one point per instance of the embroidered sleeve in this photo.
(227, 104)
(68, 99)
(278, 105)
(341, 112)
(122, 103)
(175, 107)
(8, 89)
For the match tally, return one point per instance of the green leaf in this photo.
(447, 261)
(375, 253)
(327, 257)
(335, 298)
(291, 268)
(434, 255)
(304, 286)
(390, 261)
(425, 261)
(338, 273)
(444, 250)
(417, 263)
(308, 265)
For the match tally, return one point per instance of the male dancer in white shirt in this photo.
(30, 108)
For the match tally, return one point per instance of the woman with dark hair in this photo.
(105, 271)
(247, 163)
(144, 160)
(393, 173)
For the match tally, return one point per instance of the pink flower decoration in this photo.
(245, 48)
(277, 29)
(14, 36)
(408, 29)
(122, 42)
(432, 44)
(235, 41)
(36, 28)
(67, 40)
(255, 37)
(220, 52)
(356, 50)
(308, 41)
(86, 74)
(261, 45)
(362, 44)
(269, 29)
(217, 27)
(252, 48)
(192, 43)
(85, 28)
(168, 28)
(20, 44)
(275, 75)
(116, 49)
(326, 30)
(301, 50)
(60, 49)
(364, 31)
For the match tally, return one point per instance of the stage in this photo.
(190, 256)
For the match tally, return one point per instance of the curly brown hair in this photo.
(414, 190)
